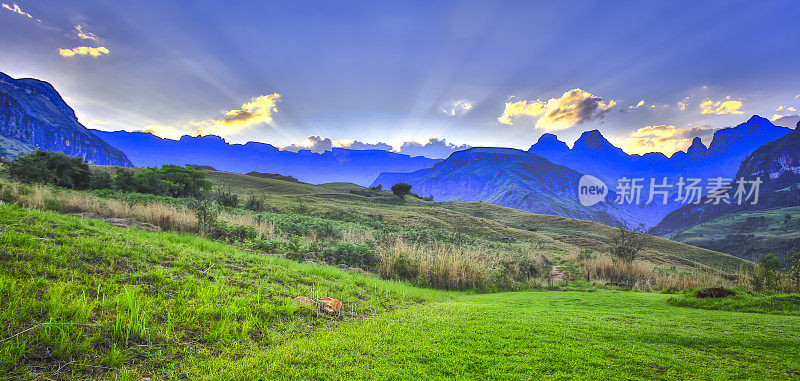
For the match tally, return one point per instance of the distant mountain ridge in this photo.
(34, 116)
(514, 183)
(593, 154)
(338, 165)
(512, 178)
(776, 163)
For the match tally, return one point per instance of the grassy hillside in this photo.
(79, 296)
(484, 220)
(455, 245)
(748, 234)
(83, 299)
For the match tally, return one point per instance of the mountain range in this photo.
(338, 165)
(34, 116)
(594, 155)
(526, 182)
(776, 164)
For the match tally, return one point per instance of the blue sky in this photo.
(476, 73)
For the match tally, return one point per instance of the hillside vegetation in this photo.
(748, 234)
(79, 296)
(452, 245)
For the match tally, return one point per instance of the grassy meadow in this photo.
(110, 285)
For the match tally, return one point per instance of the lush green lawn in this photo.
(528, 335)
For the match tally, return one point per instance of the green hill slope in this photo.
(484, 220)
(748, 234)
(80, 297)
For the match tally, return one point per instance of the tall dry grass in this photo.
(603, 269)
(165, 216)
(459, 268)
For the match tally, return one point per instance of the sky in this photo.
(416, 77)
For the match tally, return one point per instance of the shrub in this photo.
(101, 180)
(124, 181)
(238, 233)
(401, 189)
(271, 246)
(627, 243)
(226, 197)
(256, 204)
(351, 254)
(173, 180)
(51, 168)
(207, 213)
(794, 270)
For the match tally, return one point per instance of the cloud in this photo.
(683, 103)
(642, 103)
(84, 51)
(257, 110)
(86, 35)
(574, 107)
(785, 120)
(456, 107)
(663, 138)
(364, 146)
(318, 144)
(721, 107)
(16, 9)
(785, 108)
(434, 148)
(521, 108)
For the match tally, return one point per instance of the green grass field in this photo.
(82, 299)
(534, 335)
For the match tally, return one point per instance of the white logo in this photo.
(591, 190)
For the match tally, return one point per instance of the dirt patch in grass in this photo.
(714, 292)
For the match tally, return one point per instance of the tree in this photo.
(124, 181)
(627, 243)
(794, 270)
(51, 168)
(769, 267)
(401, 189)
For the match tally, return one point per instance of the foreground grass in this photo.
(532, 335)
(779, 304)
(80, 299)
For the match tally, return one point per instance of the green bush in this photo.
(124, 181)
(256, 204)
(351, 254)
(51, 168)
(226, 197)
(173, 180)
(401, 189)
(239, 233)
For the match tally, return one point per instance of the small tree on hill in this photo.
(401, 189)
(627, 243)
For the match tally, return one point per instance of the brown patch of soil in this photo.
(714, 292)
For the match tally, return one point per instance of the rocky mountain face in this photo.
(490, 175)
(776, 164)
(34, 116)
(593, 154)
(338, 165)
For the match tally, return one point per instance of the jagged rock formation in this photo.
(776, 164)
(33, 115)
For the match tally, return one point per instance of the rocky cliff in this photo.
(33, 115)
